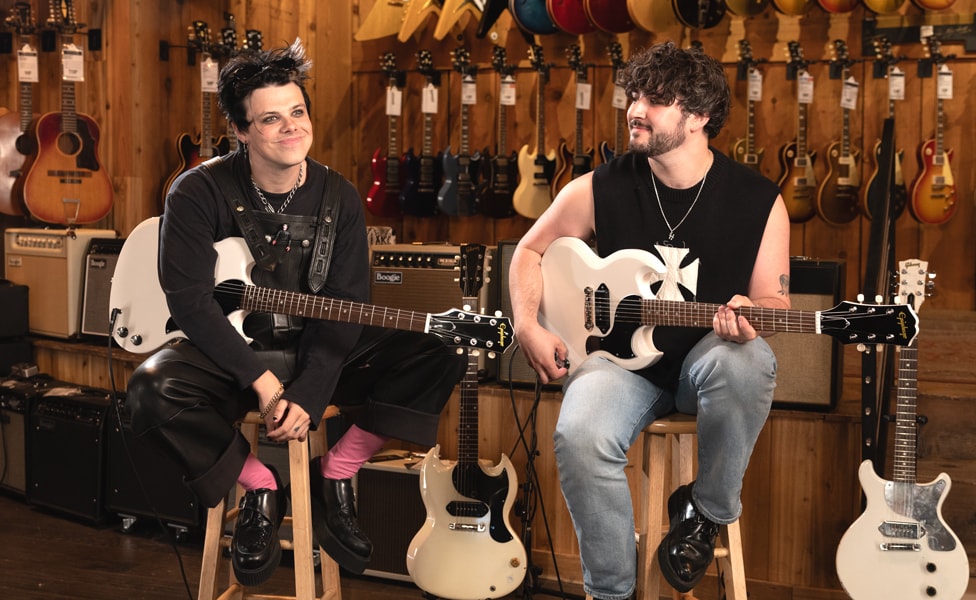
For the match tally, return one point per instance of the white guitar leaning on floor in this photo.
(607, 306)
(142, 323)
(900, 547)
(466, 549)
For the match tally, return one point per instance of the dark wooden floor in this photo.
(45, 555)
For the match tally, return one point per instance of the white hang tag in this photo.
(469, 90)
(208, 75)
(27, 64)
(394, 101)
(619, 97)
(72, 63)
(584, 93)
(943, 90)
(755, 85)
(848, 94)
(506, 94)
(804, 87)
(896, 84)
(429, 104)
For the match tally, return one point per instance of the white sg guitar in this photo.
(900, 548)
(466, 549)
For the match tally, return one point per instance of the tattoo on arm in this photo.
(784, 285)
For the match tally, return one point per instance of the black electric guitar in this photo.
(837, 196)
(798, 182)
(901, 547)
(17, 146)
(577, 161)
(383, 198)
(605, 306)
(458, 194)
(500, 171)
(144, 324)
(872, 200)
(466, 548)
(615, 50)
(744, 150)
(536, 167)
(424, 173)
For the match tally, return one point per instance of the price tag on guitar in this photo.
(72, 63)
(27, 64)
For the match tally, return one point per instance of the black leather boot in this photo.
(689, 547)
(255, 548)
(334, 521)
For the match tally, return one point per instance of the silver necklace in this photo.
(291, 194)
(671, 230)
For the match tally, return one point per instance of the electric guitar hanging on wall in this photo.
(619, 107)
(536, 168)
(578, 161)
(934, 190)
(744, 150)
(66, 184)
(901, 547)
(798, 183)
(872, 200)
(837, 196)
(383, 198)
(501, 169)
(424, 173)
(466, 548)
(458, 194)
(17, 146)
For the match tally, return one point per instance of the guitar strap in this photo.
(233, 193)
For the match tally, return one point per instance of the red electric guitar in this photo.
(383, 198)
(17, 147)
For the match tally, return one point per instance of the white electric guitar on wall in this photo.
(466, 549)
(900, 547)
(142, 322)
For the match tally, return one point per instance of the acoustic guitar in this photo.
(458, 194)
(837, 196)
(424, 174)
(578, 161)
(194, 152)
(66, 184)
(536, 167)
(500, 170)
(872, 200)
(383, 198)
(744, 149)
(934, 190)
(570, 16)
(615, 50)
(17, 146)
(798, 183)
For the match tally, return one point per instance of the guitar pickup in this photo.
(469, 527)
(902, 530)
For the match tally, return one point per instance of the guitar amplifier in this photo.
(100, 261)
(17, 394)
(810, 367)
(50, 262)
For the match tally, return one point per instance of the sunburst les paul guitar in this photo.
(466, 548)
(536, 167)
(143, 322)
(798, 182)
(901, 547)
(578, 161)
(605, 306)
(873, 198)
(744, 150)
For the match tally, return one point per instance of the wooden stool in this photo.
(668, 461)
(300, 522)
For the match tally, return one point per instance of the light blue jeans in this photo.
(605, 407)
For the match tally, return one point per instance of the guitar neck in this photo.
(540, 116)
(906, 425)
(468, 410)
(750, 127)
(939, 123)
(502, 130)
(801, 130)
(206, 126)
(69, 114)
(699, 314)
(463, 150)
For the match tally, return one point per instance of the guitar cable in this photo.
(117, 407)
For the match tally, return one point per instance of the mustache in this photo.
(638, 123)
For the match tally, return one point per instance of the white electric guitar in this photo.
(900, 547)
(466, 549)
(607, 306)
(142, 322)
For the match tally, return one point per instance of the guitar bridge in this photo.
(900, 547)
(469, 527)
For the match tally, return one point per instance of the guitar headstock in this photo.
(498, 62)
(461, 60)
(796, 61)
(915, 282)
(575, 58)
(228, 36)
(198, 37)
(616, 52)
(425, 65)
(538, 61)
(472, 269)
(62, 17)
(253, 41)
(21, 19)
(883, 58)
(840, 60)
(746, 60)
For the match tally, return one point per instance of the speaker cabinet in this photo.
(100, 261)
(810, 367)
(391, 511)
(14, 316)
(67, 452)
(17, 395)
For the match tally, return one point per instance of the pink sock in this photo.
(353, 449)
(255, 475)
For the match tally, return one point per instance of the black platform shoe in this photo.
(255, 548)
(689, 547)
(334, 521)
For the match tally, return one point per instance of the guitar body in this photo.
(837, 196)
(66, 184)
(500, 174)
(383, 199)
(740, 153)
(17, 150)
(934, 4)
(458, 195)
(492, 10)
(418, 197)
(606, 152)
(798, 183)
(532, 16)
(534, 194)
(934, 191)
(746, 8)
(189, 151)
(571, 166)
(570, 16)
(872, 200)
(884, 7)
(610, 16)
(937, 569)
(838, 6)
(451, 13)
(416, 14)
(700, 14)
(461, 552)
(792, 7)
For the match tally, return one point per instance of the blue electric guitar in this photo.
(458, 195)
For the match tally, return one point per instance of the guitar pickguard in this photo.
(488, 493)
(923, 504)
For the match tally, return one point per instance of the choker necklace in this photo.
(671, 230)
(291, 194)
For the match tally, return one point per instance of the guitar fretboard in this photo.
(906, 426)
(699, 314)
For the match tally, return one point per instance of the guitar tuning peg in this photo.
(860, 297)
(878, 299)
(498, 313)
(467, 307)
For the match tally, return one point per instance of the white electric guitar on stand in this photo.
(900, 547)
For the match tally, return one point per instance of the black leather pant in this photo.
(393, 383)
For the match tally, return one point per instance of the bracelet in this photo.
(273, 402)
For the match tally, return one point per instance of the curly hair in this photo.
(665, 73)
(251, 70)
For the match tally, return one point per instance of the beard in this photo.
(659, 143)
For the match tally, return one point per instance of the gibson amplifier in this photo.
(100, 261)
(50, 262)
